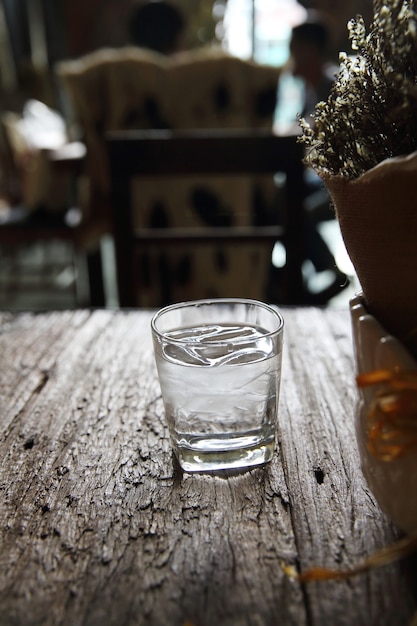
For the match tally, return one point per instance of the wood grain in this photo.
(99, 525)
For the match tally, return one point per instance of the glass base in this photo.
(197, 460)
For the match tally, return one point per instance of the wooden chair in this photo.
(21, 229)
(135, 89)
(192, 153)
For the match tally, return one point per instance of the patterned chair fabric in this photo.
(131, 88)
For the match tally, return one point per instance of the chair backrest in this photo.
(134, 88)
(174, 153)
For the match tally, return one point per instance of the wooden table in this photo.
(99, 526)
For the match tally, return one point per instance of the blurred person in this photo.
(157, 25)
(309, 61)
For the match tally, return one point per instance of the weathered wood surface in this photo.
(99, 526)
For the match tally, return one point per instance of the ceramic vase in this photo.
(392, 482)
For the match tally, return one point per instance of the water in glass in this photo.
(220, 395)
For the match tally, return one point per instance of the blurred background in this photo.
(37, 34)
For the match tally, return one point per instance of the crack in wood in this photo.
(319, 475)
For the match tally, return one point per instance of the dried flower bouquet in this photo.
(363, 144)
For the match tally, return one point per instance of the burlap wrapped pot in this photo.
(377, 214)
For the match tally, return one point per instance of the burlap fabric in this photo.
(377, 214)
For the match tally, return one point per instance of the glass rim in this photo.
(213, 301)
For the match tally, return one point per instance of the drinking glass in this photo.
(219, 368)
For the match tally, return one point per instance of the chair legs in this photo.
(50, 274)
(95, 278)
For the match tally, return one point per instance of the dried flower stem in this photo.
(399, 550)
